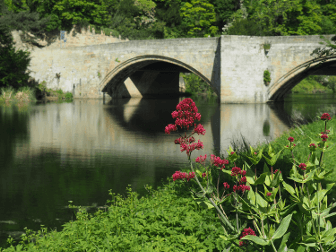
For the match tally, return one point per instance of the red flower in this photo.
(203, 174)
(201, 159)
(325, 117)
(217, 161)
(243, 173)
(277, 171)
(290, 139)
(243, 180)
(235, 171)
(232, 152)
(169, 128)
(247, 231)
(199, 129)
(226, 185)
(324, 137)
(302, 166)
(268, 194)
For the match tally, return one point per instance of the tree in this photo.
(13, 64)
(198, 18)
(63, 14)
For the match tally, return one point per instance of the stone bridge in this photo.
(233, 65)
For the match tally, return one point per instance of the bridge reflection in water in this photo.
(130, 134)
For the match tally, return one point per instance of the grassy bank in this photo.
(32, 94)
(22, 95)
(316, 84)
(166, 219)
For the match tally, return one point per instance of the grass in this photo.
(22, 95)
(310, 85)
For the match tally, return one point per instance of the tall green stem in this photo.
(211, 200)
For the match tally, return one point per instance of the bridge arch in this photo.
(318, 66)
(114, 79)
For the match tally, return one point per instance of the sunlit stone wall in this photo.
(233, 65)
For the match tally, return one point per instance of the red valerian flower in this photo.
(291, 139)
(243, 173)
(169, 128)
(226, 185)
(302, 166)
(203, 174)
(268, 194)
(217, 161)
(232, 152)
(325, 117)
(247, 231)
(199, 129)
(235, 171)
(324, 137)
(277, 171)
(243, 180)
(201, 159)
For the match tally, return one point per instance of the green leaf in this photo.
(261, 179)
(282, 229)
(283, 246)
(256, 239)
(288, 188)
(260, 201)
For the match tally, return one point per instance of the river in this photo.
(54, 153)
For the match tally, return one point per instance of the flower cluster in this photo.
(183, 175)
(185, 115)
(226, 185)
(324, 137)
(268, 194)
(291, 139)
(190, 147)
(302, 166)
(247, 231)
(201, 159)
(325, 117)
(312, 147)
(240, 174)
(217, 161)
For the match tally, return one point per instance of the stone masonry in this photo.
(232, 65)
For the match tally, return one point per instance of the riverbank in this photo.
(166, 219)
(23, 95)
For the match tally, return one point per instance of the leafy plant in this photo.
(286, 215)
(267, 77)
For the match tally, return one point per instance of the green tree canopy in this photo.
(198, 17)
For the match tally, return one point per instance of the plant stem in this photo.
(211, 200)
(273, 246)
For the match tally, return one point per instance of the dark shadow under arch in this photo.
(120, 73)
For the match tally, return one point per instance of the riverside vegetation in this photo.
(177, 217)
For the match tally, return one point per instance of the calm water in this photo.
(53, 153)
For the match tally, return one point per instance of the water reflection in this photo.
(53, 153)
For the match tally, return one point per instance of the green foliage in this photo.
(267, 77)
(316, 84)
(195, 85)
(64, 14)
(277, 17)
(288, 208)
(166, 219)
(13, 63)
(197, 18)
